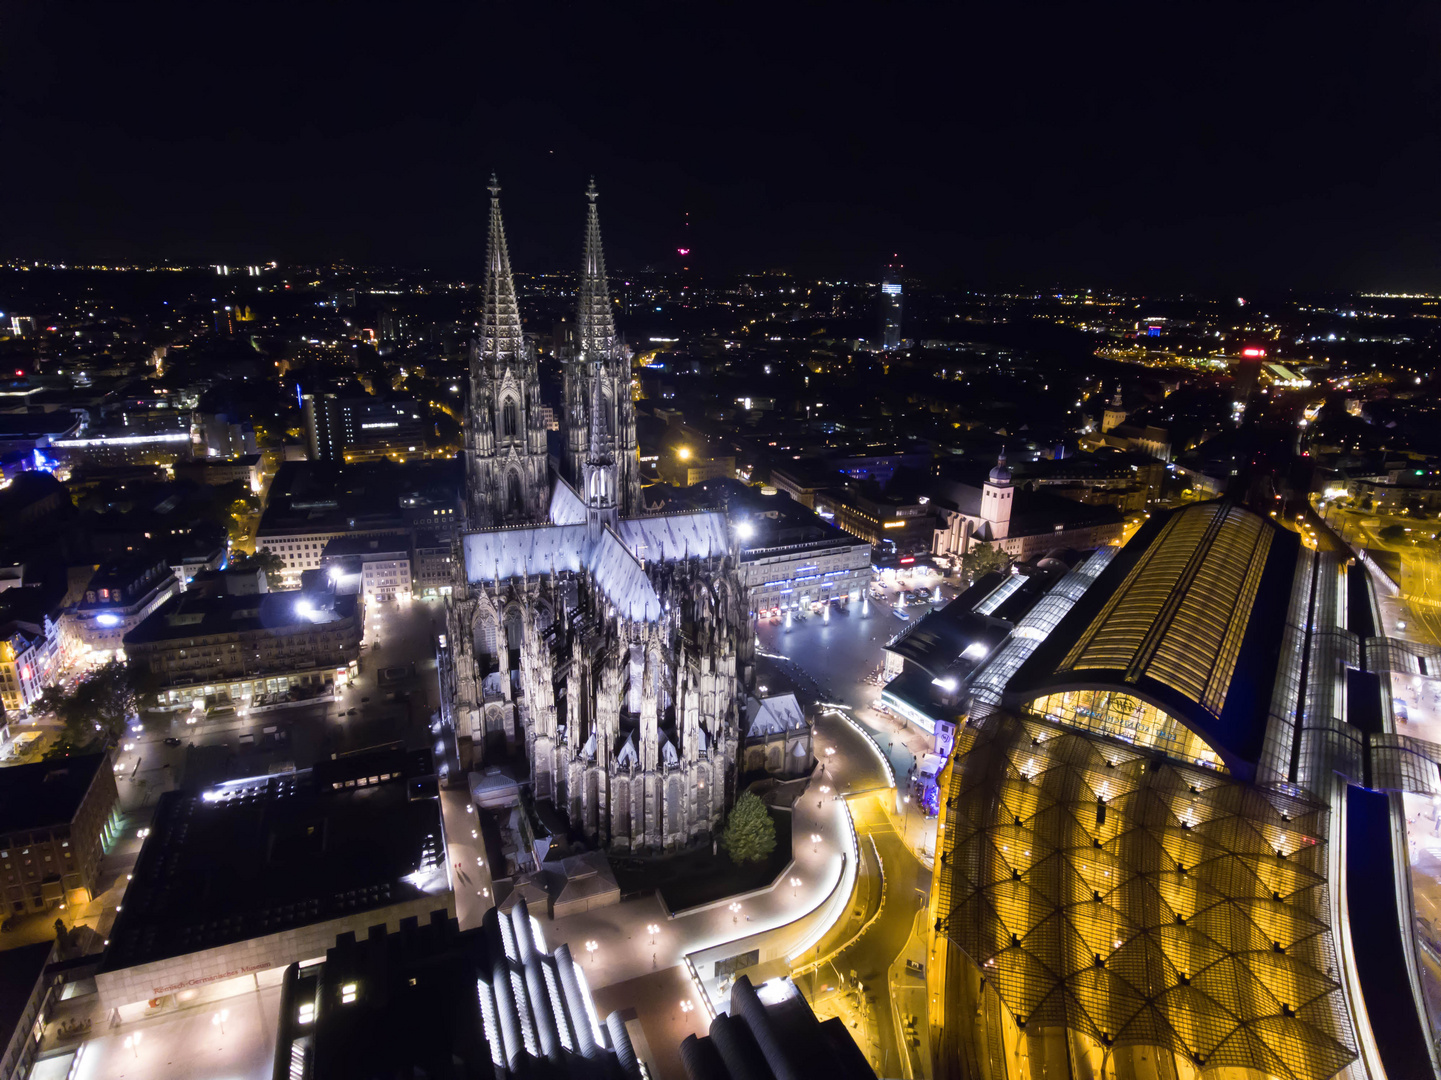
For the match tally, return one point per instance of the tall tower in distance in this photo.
(891, 302)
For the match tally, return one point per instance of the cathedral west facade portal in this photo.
(612, 650)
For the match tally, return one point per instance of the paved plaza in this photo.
(833, 660)
(185, 1045)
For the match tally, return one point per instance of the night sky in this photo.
(1205, 147)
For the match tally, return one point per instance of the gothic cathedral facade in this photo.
(605, 652)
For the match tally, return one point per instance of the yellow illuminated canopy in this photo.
(1133, 902)
(1181, 612)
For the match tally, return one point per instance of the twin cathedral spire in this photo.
(506, 453)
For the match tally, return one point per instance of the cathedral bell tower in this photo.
(505, 451)
(599, 415)
(996, 501)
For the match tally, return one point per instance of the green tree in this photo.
(750, 834)
(266, 560)
(96, 713)
(982, 559)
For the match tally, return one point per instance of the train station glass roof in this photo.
(1133, 902)
(1175, 646)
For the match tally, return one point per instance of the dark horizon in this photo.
(1152, 152)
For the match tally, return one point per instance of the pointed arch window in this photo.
(513, 500)
(508, 420)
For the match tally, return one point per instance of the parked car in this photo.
(172, 741)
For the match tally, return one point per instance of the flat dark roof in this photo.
(254, 857)
(18, 975)
(190, 615)
(46, 793)
(325, 496)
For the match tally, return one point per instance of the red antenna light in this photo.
(682, 251)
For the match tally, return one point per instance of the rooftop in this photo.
(770, 1030)
(1188, 618)
(271, 853)
(434, 1000)
(46, 793)
(328, 497)
(189, 615)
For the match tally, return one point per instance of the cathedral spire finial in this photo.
(501, 339)
(595, 329)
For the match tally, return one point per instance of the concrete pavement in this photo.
(183, 1045)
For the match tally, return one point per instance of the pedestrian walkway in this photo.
(638, 938)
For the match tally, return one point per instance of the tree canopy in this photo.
(983, 558)
(96, 712)
(266, 560)
(750, 834)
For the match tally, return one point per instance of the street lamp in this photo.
(735, 911)
(652, 929)
(825, 790)
(132, 1043)
(815, 839)
(795, 885)
(218, 1020)
(686, 1007)
(590, 947)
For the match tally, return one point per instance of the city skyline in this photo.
(948, 588)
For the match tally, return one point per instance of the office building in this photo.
(28, 987)
(792, 558)
(244, 647)
(892, 303)
(123, 446)
(239, 881)
(312, 503)
(380, 568)
(353, 428)
(432, 562)
(906, 520)
(215, 471)
(430, 999)
(31, 658)
(118, 598)
(56, 817)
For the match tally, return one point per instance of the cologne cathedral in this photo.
(612, 649)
